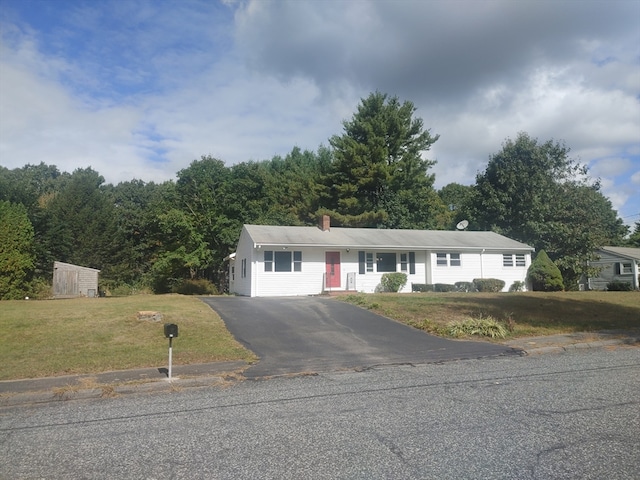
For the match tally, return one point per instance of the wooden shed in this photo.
(70, 281)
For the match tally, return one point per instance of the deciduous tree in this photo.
(534, 192)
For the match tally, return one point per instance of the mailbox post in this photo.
(171, 332)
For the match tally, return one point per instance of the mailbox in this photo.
(170, 330)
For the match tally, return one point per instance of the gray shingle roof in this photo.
(628, 252)
(380, 238)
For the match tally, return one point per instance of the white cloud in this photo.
(155, 87)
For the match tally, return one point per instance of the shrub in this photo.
(544, 275)
(444, 287)
(40, 289)
(393, 282)
(487, 327)
(517, 286)
(488, 284)
(465, 287)
(421, 287)
(195, 287)
(618, 286)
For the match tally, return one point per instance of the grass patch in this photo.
(91, 335)
(485, 327)
(523, 313)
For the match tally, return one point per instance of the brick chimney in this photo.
(325, 223)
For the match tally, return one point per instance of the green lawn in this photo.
(531, 313)
(90, 335)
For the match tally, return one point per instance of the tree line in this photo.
(157, 236)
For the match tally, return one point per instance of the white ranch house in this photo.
(290, 261)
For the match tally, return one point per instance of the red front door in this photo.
(332, 260)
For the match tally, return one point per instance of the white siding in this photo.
(310, 281)
(493, 268)
(242, 283)
(369, 282)
(306, 282)
(477, 265)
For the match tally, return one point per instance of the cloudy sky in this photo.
(139, 89)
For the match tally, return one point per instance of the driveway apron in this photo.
(312, 334)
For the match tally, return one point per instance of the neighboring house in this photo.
(616, 264)
(279, 261)
(70, 281)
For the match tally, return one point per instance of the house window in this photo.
(282, 261)
(233, 273)
(624, 269)
(243, 268)
(369, 262)
(386, 262)
(448, 260)
(509, 260)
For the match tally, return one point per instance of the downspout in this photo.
(482, 263)
(636, 278)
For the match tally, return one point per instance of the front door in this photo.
(332, 269)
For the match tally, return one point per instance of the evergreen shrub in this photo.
(465, 287)
(618, 286)
(488, 284)
(393, 282)
(544, 275)
(444, 287)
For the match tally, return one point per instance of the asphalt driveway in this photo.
(312, 334)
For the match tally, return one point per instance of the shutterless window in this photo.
(626, 269)
(448, 260)
(386, 262)
(283, 261)
(507, 260)
(520, 260)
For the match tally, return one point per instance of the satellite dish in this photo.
(462, 225)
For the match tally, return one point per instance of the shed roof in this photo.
(71, 266)
(340, 237)
(627, 252)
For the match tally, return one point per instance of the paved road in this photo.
(298, 334)
(569, 416)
